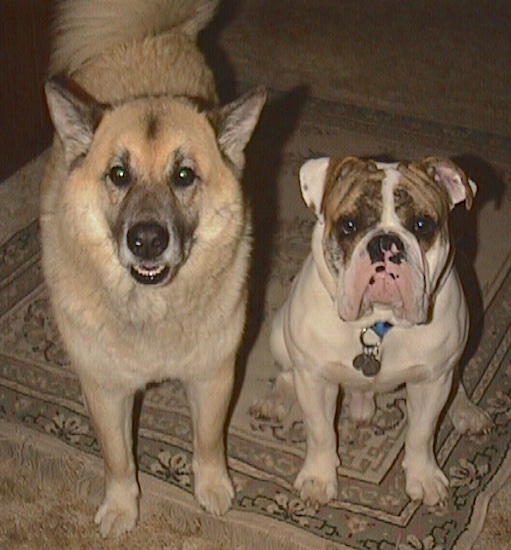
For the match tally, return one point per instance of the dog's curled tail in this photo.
(86, 28)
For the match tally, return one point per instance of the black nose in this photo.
(148, 240)
(383, 243)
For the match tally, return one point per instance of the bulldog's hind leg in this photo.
(111, 413)
(279, 401)
(361, 405)
(466, 416)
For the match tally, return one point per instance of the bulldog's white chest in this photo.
(317, 339)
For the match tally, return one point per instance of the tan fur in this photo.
(120, 334)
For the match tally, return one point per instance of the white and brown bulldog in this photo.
(377, 304)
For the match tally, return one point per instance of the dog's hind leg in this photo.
(361, 405)
(279, 401)
(111, 413)
(466, 416)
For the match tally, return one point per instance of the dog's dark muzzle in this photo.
(148, 242)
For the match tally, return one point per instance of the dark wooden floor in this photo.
(25, 129)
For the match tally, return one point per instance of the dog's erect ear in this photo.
(452, 178)
(235, 123)
(75, 116)
(312, 183)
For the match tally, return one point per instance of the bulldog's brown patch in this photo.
(352, 205)
(421, 205)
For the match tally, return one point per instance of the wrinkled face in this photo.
(153, 179)
(385, 239)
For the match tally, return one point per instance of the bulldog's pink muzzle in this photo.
(383, 275)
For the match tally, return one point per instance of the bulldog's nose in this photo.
(380, 245)
(148, 240)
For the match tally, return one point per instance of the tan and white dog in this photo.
(145, 229)
(377, 304)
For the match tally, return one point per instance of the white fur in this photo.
(312, 183)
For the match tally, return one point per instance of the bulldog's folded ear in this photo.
(312, 184)
(453, 179)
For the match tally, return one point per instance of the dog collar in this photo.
(368, 362)
(381, 328)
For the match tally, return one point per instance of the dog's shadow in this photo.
(464, 229)
(265, 154)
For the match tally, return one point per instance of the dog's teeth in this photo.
(149, 272)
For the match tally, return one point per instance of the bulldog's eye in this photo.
(184, 176)
(425, 227)
(120, 176)
(347, 226)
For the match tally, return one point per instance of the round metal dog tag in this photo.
(367, 364)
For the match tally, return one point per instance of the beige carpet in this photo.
(376, 84)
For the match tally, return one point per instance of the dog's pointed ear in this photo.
(75, 116)
(452, 178)
(312, 184)
(235, 123)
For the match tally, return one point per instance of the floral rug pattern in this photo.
(40, 391)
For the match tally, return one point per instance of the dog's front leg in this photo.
(209, 397)
(425, 481)
(111, 413)
(317, 480)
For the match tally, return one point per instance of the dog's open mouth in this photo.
(150, 274)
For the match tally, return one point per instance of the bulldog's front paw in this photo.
(214, 491)
(316, 489)
(426, 483)
(119, 512)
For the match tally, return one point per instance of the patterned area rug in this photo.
(40, 392)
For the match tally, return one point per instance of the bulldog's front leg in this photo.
(425, 481)
(317, 480)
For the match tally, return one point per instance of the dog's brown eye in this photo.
(184, 176)
(424, 228)
(119, 176)
(347, 226)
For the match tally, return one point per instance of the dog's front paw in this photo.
(119, 512)
(316, 489)
(426, 483)
(214, 492)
